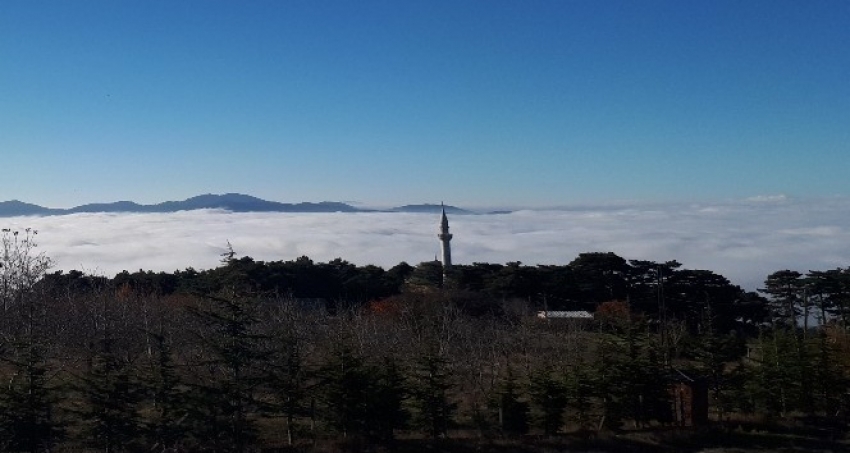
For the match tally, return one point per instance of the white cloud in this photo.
(768, 198)
(745, 241)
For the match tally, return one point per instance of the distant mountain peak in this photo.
(431, 208)
(233, 202)
(19, 208)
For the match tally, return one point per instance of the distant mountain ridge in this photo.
(233, 202)
(16, 208)
(430, 208)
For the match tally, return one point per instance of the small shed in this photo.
(690, 399)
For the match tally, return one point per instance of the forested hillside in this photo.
(320, 356)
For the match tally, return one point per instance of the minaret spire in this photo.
(445, 238)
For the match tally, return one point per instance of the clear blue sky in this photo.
(534, 103)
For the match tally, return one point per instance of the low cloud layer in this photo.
(745, 241)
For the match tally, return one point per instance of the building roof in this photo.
(579, 314)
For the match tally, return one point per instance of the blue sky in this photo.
(478, 103)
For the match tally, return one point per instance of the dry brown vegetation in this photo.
(92, 365)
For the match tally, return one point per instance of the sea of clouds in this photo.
(742, 240)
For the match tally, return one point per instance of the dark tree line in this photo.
(657, 290)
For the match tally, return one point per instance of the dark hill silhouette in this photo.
(118, 206)
(430, 208)
(230, 201)
(17, 208)
(233, 202)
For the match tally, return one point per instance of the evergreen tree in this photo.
(600, 276)
(632, 380)
(364, 400)
(513, 411)
(785, 289)
(288, 381)
(110, 400)
(387, 400)
(347, 389)
(830, 387)
(776, 381)
(426, 275)
(27, 422)
(434, 410)
(549, 400)
(712, 352)
(612, 383)
(581, 390)
(166, 411)
(232, 358)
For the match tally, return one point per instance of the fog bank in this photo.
(745, 241)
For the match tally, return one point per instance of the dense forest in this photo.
(313, 356)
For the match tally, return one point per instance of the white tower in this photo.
(445, 238)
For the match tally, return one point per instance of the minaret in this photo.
(445, 238)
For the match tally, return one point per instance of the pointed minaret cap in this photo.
(444, 221)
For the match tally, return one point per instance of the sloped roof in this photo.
(578, 314)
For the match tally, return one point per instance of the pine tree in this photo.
(785, 289)
(776, 377)
(829, 385)
(231, 364)
(109, 414)
(632, 378)
(581, 390)
(364, 400)
(435, 411)
(27, 422)
(387, 399)
(166, 411)
(288, 381)
(513, 410)
(713, 352)
(549, 400)
(347, 389)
